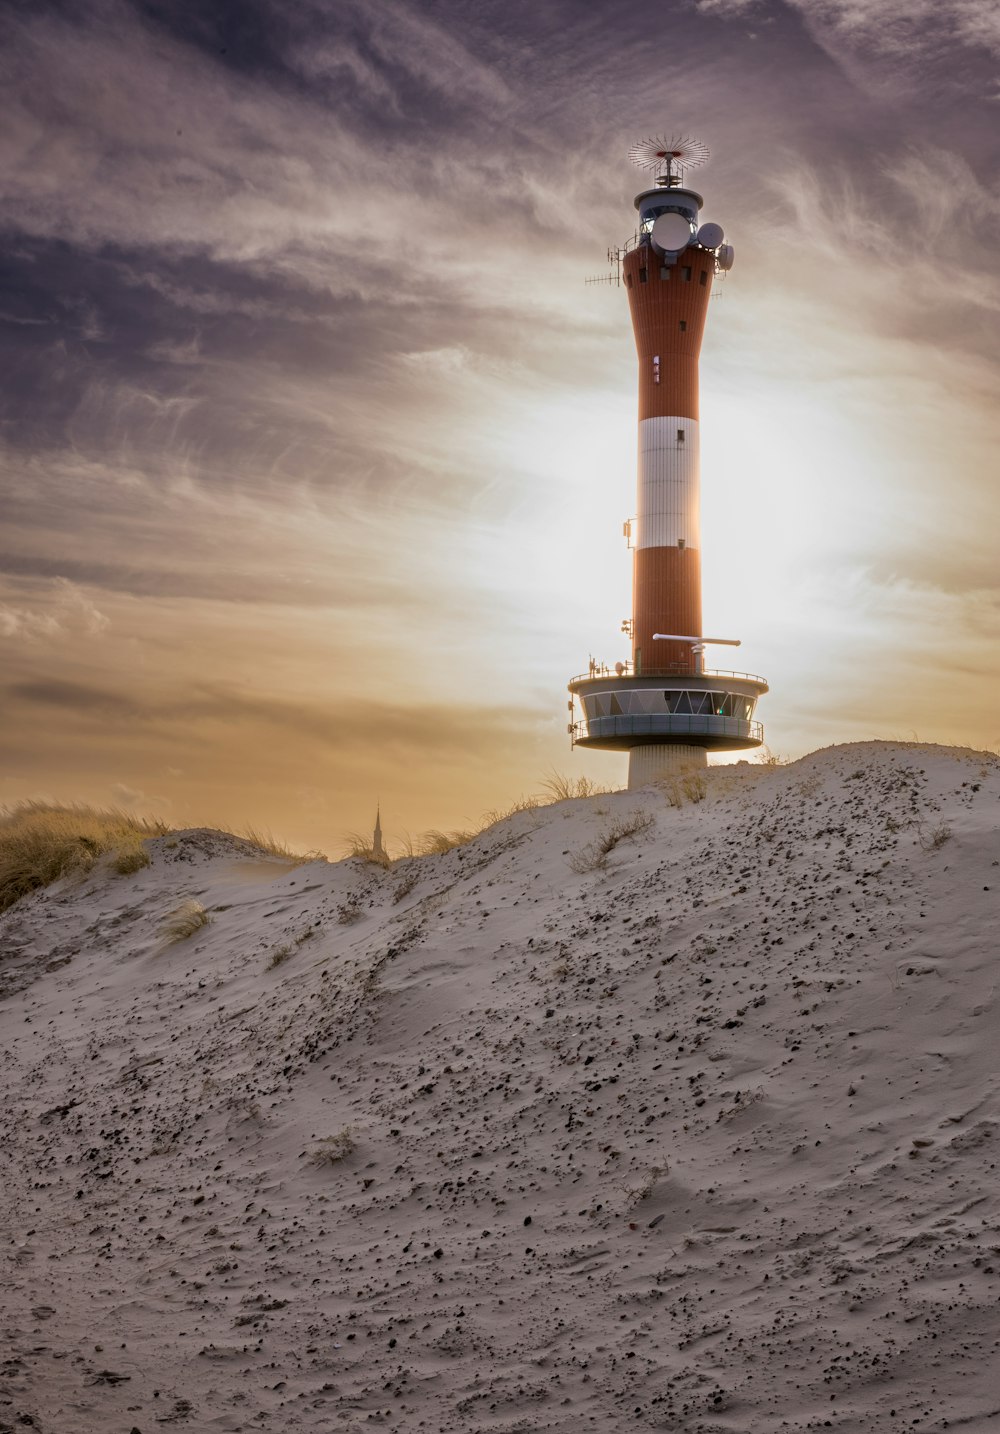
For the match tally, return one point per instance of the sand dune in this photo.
(701, 1140)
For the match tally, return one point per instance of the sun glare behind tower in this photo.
(664, 707)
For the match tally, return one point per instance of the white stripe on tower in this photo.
(669, 504)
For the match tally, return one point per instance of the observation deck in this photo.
(706, 709)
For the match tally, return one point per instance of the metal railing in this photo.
(602, 673)
(667, 724)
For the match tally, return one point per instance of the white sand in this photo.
(706, 1141)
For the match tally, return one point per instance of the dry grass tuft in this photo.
(594, 856)
(502, 814)
(265, 842)
(280, 954)
(334, 1148)
(41, 842)
(635, 1194)
(131, 859)
(689, 785)
(407, 884)
(183, 922)
(934, 839)
(560, 788)
(436, 843)
(361, 847)
(350, 910)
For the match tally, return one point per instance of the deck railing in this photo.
(608, 674)
(667, 724)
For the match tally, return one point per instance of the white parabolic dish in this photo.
(710, 236)
(671, 232)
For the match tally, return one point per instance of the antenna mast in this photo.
(669, 158)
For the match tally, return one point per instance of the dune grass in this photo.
(184, 921)
(555, 788)
(41, 842)
(560, 788)
(594, 856)
(131, 859)
(434, 842)
(334, 1148)
(355, 844)
(271, 846)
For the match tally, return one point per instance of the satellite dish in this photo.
(671, 232)
(710, 236)
(725, 256)
(669, 156)
(619, 668)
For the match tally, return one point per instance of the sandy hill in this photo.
(696, 1133)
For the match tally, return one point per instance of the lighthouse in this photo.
(664, 705)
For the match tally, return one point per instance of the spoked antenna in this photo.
(669, 157)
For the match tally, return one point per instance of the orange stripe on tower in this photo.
(666, 597)
(659, 307)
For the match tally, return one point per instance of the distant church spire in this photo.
(378, 850)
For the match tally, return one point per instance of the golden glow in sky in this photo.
(316, 447)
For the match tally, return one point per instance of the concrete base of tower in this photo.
(649, 763)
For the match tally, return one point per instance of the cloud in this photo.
(905, 28)
(899, 246)
(29, 626)
(304, 395)
(81, 615)
(125, 796)
(69, 615)
(727, 9)
(131, 797)
(76, 697)
(403, 42)
(421, 728)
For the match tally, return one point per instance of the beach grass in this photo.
(41, 842)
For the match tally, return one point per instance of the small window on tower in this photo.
(664, 272)
(684, 326)
(703, 278)
(656, 368)
(686, 271)
(680, 435)
(643, 276)
(680, 542)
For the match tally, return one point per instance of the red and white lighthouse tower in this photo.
(664, 707)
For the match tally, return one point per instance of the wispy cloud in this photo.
(134, 799)
(64, 613)
(905, 28)
(313, 446)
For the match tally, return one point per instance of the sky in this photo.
(316, 445)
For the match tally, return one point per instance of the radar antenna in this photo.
(669, 157)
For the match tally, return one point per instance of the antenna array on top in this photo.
(670, 156)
